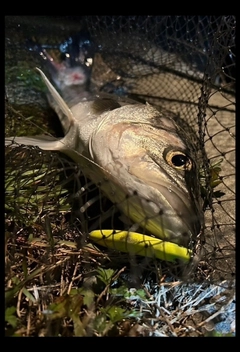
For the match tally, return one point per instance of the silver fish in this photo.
(142, 159)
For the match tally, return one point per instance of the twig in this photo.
(73, 277)
(28, 323)
(19, 303)
(221, 310)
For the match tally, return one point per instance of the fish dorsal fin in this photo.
(67, 119)
(103, 104)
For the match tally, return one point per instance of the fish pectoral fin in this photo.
(67, 119)
(43, 142)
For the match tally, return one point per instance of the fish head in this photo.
(153, 171)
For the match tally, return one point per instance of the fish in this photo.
(71, 75)
(141, 158)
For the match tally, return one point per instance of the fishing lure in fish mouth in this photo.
(139, 244)
(136, 156)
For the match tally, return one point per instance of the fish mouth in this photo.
(167, 213)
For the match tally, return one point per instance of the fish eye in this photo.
(178, 159)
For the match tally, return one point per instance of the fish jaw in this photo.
(167, 209)
(167, 217)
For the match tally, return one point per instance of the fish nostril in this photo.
(161, 212)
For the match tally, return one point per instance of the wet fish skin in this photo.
(126, 149)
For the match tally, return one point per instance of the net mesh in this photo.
(182, 64)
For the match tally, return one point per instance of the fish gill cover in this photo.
(133, 232)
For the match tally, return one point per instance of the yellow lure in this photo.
(139, 244)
